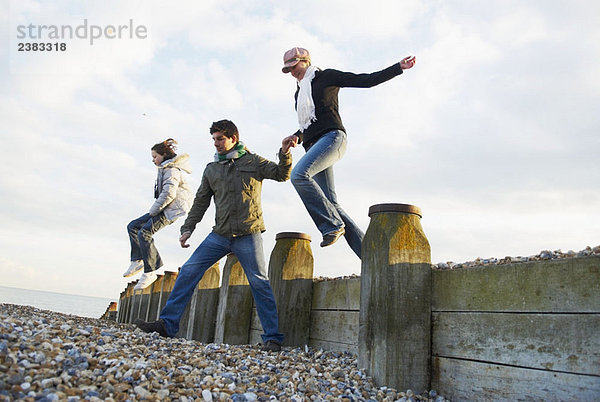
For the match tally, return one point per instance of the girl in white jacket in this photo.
(173, 198)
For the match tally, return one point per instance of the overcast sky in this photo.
(494, 133)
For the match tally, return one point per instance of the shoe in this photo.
(271, 346)
(332, 237)
(145, 280)
(134, 268)
(152, 326)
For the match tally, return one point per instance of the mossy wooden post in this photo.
(111, 313)
(124, 306)
(185, 317)
(204, 306)
(145, 296)
(121, 307)
(130, 301)
(291, 273)
(395, 299)
(235, 305)
(166, 288)
(136, 297)
(156, 288)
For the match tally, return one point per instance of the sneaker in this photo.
(152, 326)
(134, 268)
(145, 280)
(332, 237)
(271, 346)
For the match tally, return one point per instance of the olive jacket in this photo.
(236, 186)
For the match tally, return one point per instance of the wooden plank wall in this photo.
(527, 331)
(334, 315)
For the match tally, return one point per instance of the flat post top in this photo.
(292, 235)
(402, 208)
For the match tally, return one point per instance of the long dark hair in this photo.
(166, 148)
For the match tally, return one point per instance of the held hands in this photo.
(289, 142)
(183, 239)
(408, 62)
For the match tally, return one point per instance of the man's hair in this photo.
(226, 127)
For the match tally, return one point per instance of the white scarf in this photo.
(305, 106)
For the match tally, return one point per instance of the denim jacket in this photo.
(236, 186)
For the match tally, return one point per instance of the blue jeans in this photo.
(249, 251)
(140, 232)
(312, 178)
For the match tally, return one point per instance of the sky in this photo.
(494, 133)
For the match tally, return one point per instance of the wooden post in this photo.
(145, 296)
(156, 287)
(124, 314)
(136, 305)
(188, 319)
(203, 307)
(290, 274)
(111, 313)
(185, 317)
(395, 299)
(166, 288)
(235, 305)
(130, 300)
(121, 307)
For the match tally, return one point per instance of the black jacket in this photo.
(325, 87)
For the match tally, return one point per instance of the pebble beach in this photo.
(543, 255)
(49, 356)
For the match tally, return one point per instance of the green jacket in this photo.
(236, 185)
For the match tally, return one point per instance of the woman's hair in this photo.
(166, 148)
(226, 127)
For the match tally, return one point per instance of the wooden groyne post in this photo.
(291, 268)
(121, 307)
(155, 294)
(203, 307)
(168, 282)
(144, 297)
(128, 305)
(111, 312)
(395, 298)
(234, 313)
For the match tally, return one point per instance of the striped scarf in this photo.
(236, 152)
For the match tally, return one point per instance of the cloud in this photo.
(493, 133)
(333, 18)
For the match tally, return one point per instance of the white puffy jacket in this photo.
(173, 194)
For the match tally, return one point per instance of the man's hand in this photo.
(408, 62)
(289, 142)
(183, 239)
